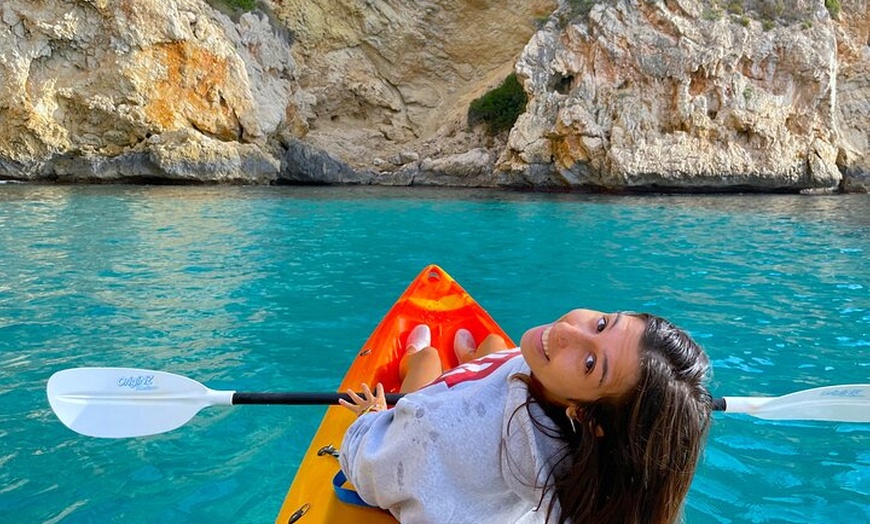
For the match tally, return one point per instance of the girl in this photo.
(595, 418)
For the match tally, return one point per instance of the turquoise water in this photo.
(275, 289)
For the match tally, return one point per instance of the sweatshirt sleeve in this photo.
(382, 456)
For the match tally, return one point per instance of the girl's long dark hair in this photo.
(631, 460)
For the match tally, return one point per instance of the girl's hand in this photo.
(372, 401)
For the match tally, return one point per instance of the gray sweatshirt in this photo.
(456, 451)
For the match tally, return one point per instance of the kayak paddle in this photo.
(846, 403)
(129, 402)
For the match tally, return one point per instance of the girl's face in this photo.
(585, 355)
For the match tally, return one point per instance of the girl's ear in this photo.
(574, 412)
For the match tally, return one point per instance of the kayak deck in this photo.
(433, 298)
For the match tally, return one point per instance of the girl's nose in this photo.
(572, 335)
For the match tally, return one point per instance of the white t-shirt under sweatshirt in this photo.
(457, 451)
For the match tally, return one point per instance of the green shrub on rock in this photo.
(499, 108)
(242, 6)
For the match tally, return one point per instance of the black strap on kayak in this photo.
(348, 496)
(299, 513)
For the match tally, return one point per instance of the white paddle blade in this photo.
(845, 403)
(127, 402)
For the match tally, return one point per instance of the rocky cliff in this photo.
(628, 94)
(140, 90)
(688, 94)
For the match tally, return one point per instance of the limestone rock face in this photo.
(387, 76)
(853, 94)
(99, 90)
(623, 94)
(674, 94)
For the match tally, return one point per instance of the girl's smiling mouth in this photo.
(545, 341)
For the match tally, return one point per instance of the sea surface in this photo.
(276, 289)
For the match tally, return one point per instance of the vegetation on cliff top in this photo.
(235, 5)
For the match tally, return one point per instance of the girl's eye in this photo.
(590, 363)
(602, 323)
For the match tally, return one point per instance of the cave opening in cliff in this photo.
(563, 84)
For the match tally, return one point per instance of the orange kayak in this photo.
(433, 298)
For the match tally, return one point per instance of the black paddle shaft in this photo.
(313, 399)
(298, 399)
